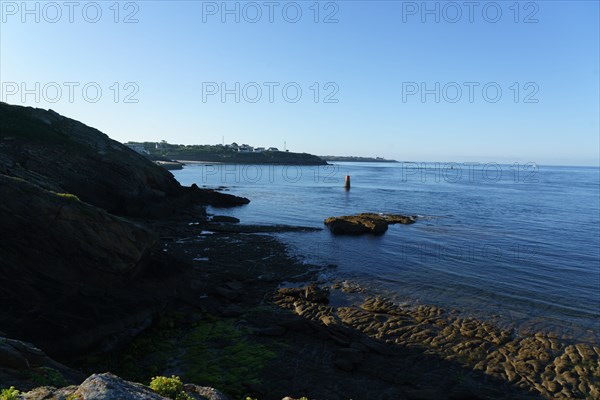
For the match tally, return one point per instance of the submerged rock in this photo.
(225, 218)
(359, 224)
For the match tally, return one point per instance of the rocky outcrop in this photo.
(512, 364)
(75, 274)
(72, 274)
(214, 198)
(110, 387)
(376, 224)
(64, 155)
(24, 366)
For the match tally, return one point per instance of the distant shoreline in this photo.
(356, 159)
(224, 154)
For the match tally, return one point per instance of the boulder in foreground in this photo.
(110, 387)
(375, 224)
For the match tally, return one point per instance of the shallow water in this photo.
(515, 243)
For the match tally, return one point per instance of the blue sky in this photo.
(375, 61)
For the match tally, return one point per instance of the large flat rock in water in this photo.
(372, 223)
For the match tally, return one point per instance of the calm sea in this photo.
(517, 244)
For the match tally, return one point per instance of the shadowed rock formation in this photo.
(72, 274)
(359, 224)
(64, 155)
(75, 274)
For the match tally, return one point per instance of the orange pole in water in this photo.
(347, 183)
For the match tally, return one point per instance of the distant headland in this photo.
(163, 152)
(356, 159)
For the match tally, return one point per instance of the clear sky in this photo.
(404, 80)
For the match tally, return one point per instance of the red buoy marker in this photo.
(347, 183)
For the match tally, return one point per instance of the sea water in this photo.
(519, 244)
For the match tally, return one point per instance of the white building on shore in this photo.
(244, 148)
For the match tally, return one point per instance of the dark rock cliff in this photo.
(71, 274)
(64, 155)
(75, 274)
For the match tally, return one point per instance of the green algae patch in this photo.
(145, 356)
(219, 354)
(45, 376)
(210, 351)
(68, 196)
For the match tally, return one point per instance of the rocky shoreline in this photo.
(108, 264)
(533, 362)
(333, 340)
